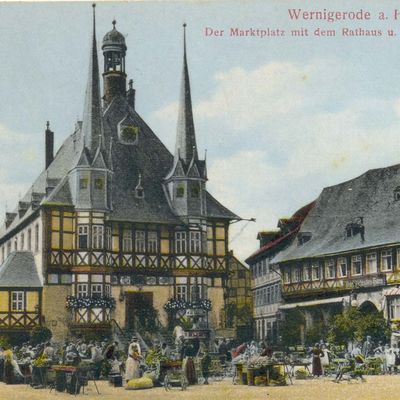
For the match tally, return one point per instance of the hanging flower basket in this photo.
(74, 303)
(175, 305)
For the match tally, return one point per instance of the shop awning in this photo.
(311, 303)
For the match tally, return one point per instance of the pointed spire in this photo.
(92, 125)
(185, 146)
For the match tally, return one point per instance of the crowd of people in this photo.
(354, 356)
(21, 364)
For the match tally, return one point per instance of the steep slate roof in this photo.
(19, 270)
(283, 239)
(368, 198)
(66, 157)
(270, 245)
(148, 157)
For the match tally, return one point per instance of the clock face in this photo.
(129, 133)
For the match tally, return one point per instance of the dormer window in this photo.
(396, 193)
(355, 228)
(139, 191)
(128, 131)
(303, 237)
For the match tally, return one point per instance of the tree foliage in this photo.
(291, 327)
(355, 325)
(242, 313)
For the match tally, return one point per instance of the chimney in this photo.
(49, 150)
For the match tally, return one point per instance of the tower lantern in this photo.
(114, 76)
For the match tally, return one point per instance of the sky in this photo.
(280, 117)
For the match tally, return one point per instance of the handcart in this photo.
(172, 375)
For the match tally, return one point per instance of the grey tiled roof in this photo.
(66, 157)
(367, 200)
(19, 270)
(149, 157)
(97, 138)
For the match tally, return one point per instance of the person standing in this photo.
(132, 370)
(188, 364)
(356, 350)
(205, 365)
(367, 347)
(325, 357)
(390, 358)
(316, 360)
(380, 353)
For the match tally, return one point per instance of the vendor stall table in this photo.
(246, 375)
(295, 364)
(79, 377)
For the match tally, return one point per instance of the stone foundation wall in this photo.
(56, 316)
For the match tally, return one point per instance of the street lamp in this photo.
(353, 295)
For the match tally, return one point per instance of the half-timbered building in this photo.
(347, 251)
(115, 220)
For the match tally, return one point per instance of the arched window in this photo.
(36, 238)
(29, 239)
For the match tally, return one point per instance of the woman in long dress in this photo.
(325, 357)
(390, 358)
(316, 360)
(132, 370)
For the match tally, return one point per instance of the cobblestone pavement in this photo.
(375, 387)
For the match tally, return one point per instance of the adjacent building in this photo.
(238, 312)
(347, 251)
(115, 222)
(266, 277)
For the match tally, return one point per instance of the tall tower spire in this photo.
(185, 147)
(92, 125)
(186, 182)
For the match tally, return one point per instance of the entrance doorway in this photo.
(139, 312)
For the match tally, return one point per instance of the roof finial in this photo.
(114, 22)
(130, 83)
(184, 40)
(94, 18)
(47, 125)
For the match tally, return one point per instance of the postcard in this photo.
(200, 196)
